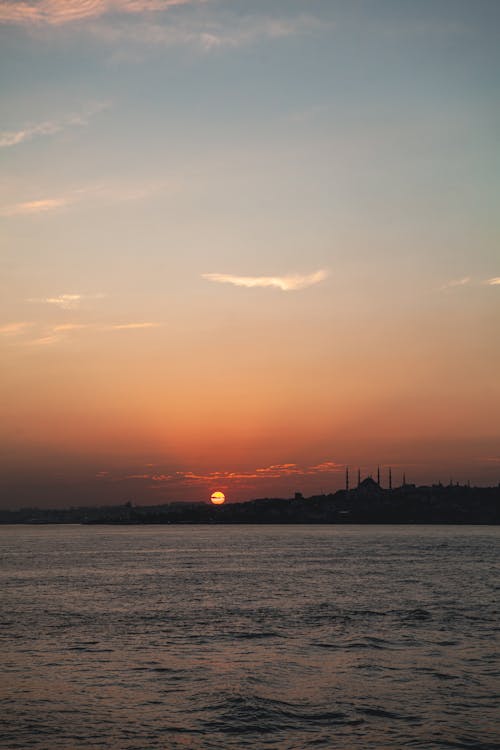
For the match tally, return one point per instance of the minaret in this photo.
(359, 477)
(404, 479)
(378, 475)
(347, 479)
(390, 478)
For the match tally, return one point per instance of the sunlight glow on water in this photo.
(249, 637)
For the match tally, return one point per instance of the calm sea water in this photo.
(249, 637)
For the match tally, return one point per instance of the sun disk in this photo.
(217, 498)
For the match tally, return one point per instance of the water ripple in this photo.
(278, 638)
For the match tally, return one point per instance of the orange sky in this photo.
(242, 249)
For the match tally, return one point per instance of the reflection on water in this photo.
(249, 637)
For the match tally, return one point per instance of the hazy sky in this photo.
(245, 243)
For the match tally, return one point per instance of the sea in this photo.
(259, 637)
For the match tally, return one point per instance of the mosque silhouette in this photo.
(369, 484)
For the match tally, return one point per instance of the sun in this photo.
(217, 498)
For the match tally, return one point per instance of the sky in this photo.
(245, 244)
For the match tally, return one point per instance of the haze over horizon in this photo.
(245, 244)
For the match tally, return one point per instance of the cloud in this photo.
(122, 192)
(48, 335)
(9, 138)
(45, 341)
(59, 12)
(466, 281)
(456, 282)
(326, 466)
(225, 478)
(13, 137)
(65, 327)
(250, 30)
(34, 207)
(232, 31)
(208, 34)
(130, 326)
(285, 283)
(216, 30)
(44, 334)
(107, 194)
(14, 329)
(66, 301)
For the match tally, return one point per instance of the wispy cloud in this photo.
(65, 327)
(326, 466)
(219, 29)
(44, 341)
(250, 30)
(44, 334)
(34, 207)
(66, 301)
(237, 478)
(10, 138)
(58, 12)
(130, 326)
(122, 192)
(288, 283)
(107, 194)
(468, 281)
(456, 282)
(210, 33)
(14, 137)
(14, 329)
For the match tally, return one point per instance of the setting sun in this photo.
(217, 498)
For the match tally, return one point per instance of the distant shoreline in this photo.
(367, 504)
